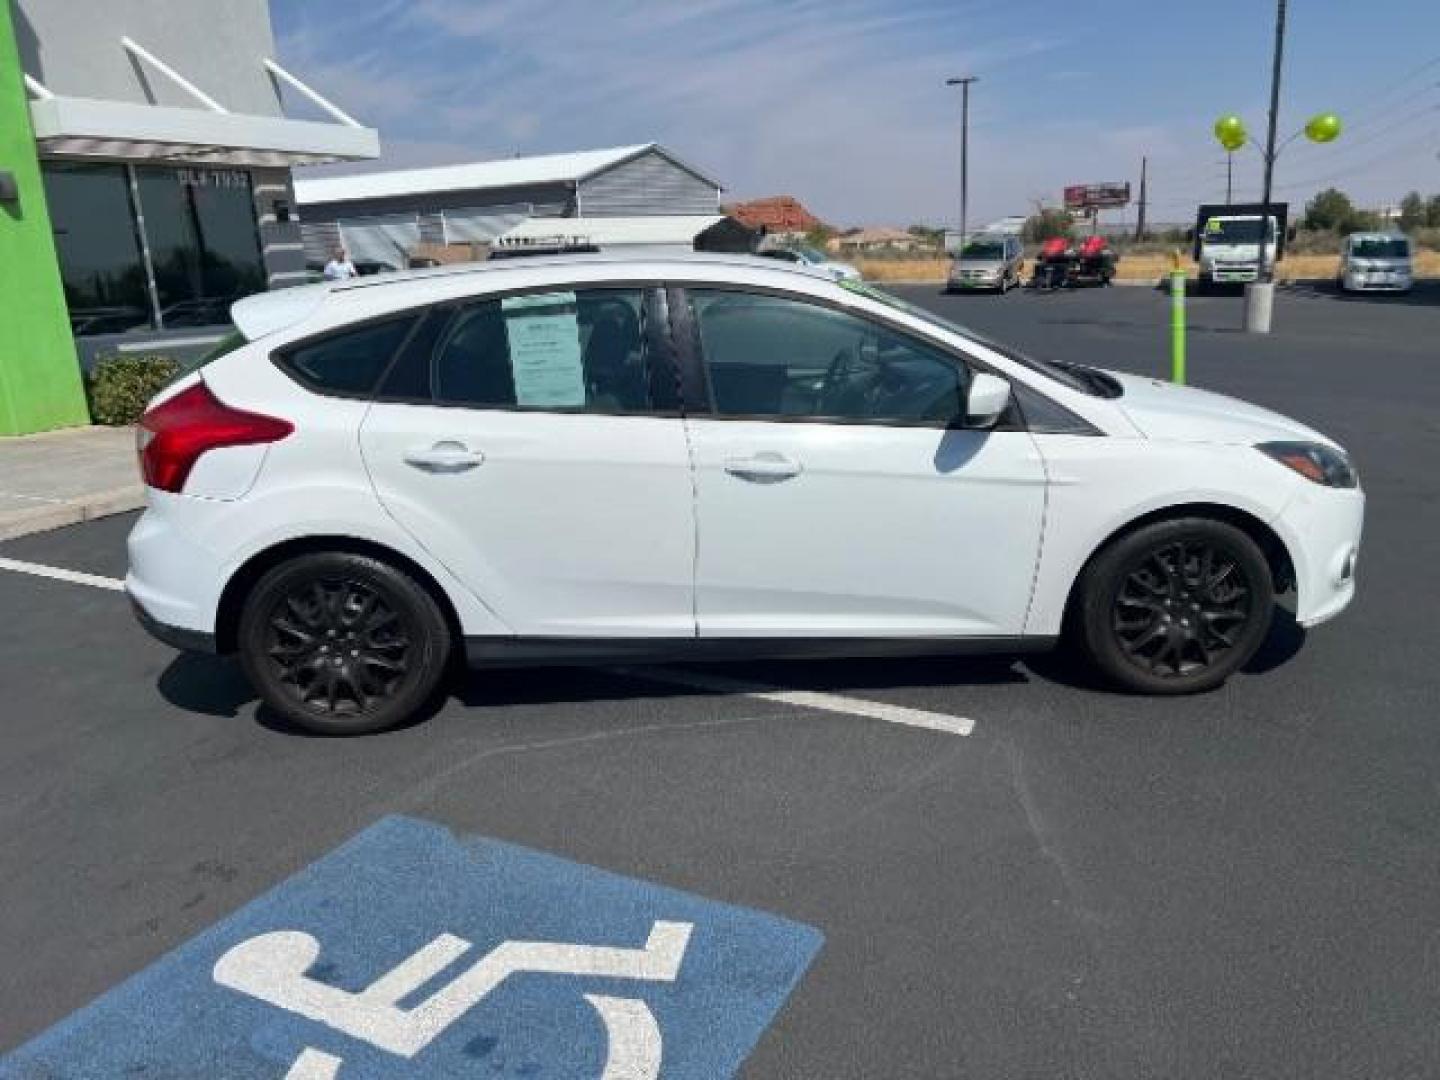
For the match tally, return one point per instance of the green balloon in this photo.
(1230, 130)
(1323, 128)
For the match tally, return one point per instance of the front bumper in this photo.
(1375, 283)
(1229, 275)
(1322, 528)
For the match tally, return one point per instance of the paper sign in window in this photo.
(545, 355)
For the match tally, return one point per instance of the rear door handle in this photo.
(764, 467)
(444, 457)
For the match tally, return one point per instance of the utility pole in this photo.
(1140, 220)
(1265, 274)
(1260, 296)
(964, 81)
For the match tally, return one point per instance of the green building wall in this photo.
(40, 384)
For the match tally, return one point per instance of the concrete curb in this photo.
(57, 515)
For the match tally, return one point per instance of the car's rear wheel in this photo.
(1175, 607)
(340, 643)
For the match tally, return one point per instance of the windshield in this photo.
(1390, 247)
(983, 249)
(810, 255)
(1236, 231)
(1075, 376)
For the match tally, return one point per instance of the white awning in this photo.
(679, 229)
(211, 135)
(89, 127)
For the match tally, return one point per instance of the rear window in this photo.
(228, 344)
(349, 362)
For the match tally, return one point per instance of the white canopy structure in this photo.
(79, 127)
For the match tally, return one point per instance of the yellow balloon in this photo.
(1230, 130)
(1323, 128)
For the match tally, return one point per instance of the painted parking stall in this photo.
(409, 951)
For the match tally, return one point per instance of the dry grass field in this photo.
(1147, 267)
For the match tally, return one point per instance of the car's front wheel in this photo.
(1175, 607)
(342, 644)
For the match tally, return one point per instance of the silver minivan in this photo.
(1375, 262)
(987, 261)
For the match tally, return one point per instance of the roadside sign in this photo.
(409, 952)
(1097, 196)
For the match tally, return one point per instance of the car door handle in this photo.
(443, 457)
(763, 467)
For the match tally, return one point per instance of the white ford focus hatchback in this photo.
(595, 458)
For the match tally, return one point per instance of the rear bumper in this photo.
(177, 637)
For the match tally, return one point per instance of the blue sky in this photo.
(842, 102)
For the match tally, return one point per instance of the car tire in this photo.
(1174, 607)
(343, 644)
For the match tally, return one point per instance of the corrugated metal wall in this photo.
(648, 184)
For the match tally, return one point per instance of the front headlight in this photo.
(1314, 461)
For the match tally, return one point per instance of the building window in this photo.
(200, 229)
(100, 262)
(200, 224)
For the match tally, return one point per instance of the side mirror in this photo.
(987, 400)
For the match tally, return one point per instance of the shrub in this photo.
(120, 387)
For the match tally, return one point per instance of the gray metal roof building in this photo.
(380, 217)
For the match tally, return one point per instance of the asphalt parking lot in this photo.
(1005, 873)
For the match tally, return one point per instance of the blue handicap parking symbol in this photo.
(411, 952)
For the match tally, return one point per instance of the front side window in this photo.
(775, 356)
(569, 350)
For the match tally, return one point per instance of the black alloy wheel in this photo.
(1174, 607)
(340, 643)
(339, 646)
(1181, 607)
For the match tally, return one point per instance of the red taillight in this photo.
(173, 435)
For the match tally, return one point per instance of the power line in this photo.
(1341, 173)
(1372, 104)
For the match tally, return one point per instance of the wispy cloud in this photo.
(841, 102)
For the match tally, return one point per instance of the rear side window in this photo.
(349, 362)
(586, 350)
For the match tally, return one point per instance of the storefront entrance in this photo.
(146, 247)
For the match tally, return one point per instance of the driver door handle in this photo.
(763, 467)
(443, 457)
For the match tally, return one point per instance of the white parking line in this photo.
(58, 573)
(805, 699)
(808, 699)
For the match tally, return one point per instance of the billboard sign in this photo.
(1097, 196)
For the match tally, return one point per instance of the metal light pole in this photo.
(964, 81)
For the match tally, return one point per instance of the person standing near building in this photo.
(339, 268)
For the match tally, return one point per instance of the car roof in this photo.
(266, 313)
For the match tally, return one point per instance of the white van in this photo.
(1372, 261)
